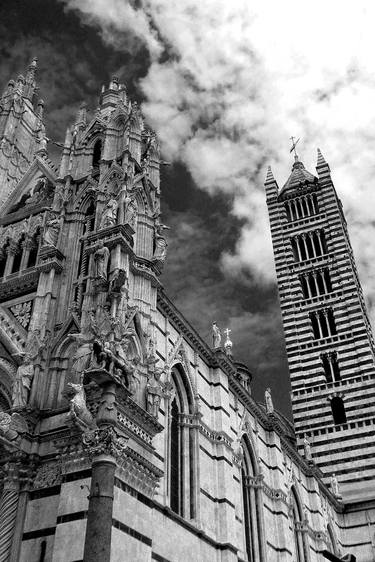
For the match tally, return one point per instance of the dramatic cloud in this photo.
(229, 82)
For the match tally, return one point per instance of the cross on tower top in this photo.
(293, 149)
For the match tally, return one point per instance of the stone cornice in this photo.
(27, 281)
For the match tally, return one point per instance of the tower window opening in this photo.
(338, 410)
(331, 366)
(323, 323)
(97, 154)
(301, 207)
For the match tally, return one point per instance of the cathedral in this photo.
(124, 436)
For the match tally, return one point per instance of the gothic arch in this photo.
(86, 192)
(182, 446)
(178, 355)
(112, 179)
(251, 503)
(296, 512)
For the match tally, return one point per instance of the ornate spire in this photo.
(322, 165)
(269, 177)
(81, 118)
(30, 82)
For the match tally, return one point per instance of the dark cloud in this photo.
(73, 63)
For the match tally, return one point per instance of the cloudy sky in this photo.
(225, 85)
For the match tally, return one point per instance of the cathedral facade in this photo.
(123, 435)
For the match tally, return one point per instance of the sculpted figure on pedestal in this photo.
(216, 336)
(335, 486)
(51, 231)
(130, 211)
(22, 383)
(154, 392)
(82, 356)
(109, 216)
(101, 258)
(268, 400)
(25, 372)
(160, 251)
(307, 449)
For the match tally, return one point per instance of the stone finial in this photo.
(81, 117)
(228, 343)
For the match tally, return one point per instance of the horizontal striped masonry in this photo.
(329, 342)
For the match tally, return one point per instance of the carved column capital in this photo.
(104, 441)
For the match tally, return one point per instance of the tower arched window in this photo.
(338, 410)
(182, 477)
(252, 515)
(297, 528)
(97, 154)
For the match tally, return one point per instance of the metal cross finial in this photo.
(294, 144)
(227, 332)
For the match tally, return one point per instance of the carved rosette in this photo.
(104, 441)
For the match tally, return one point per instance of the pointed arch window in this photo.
(97, 154)
(252, 515)
(182, 481)
(297, 522)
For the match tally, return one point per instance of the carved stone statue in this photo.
(82, 357)
(216, 336)
(154, 393)
(79, 412)
(130, 211)
(51, 231)
(160, 251)
(307, 449)
(335, 486)
(109, 215)
(101, 258)
(268, 399)
(22, 383)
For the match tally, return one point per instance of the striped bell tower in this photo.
(329, 343)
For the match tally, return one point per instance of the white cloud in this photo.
(241, 77)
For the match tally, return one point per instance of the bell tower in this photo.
(22, 132)
(329, 343)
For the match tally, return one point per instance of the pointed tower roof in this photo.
(269, 177)
(322, 166)
(299, 176)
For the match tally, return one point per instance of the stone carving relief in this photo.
(22, 311)
(104, 441)
(11, 426)
(47, 475)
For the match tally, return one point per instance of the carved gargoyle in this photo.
(79, 413)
